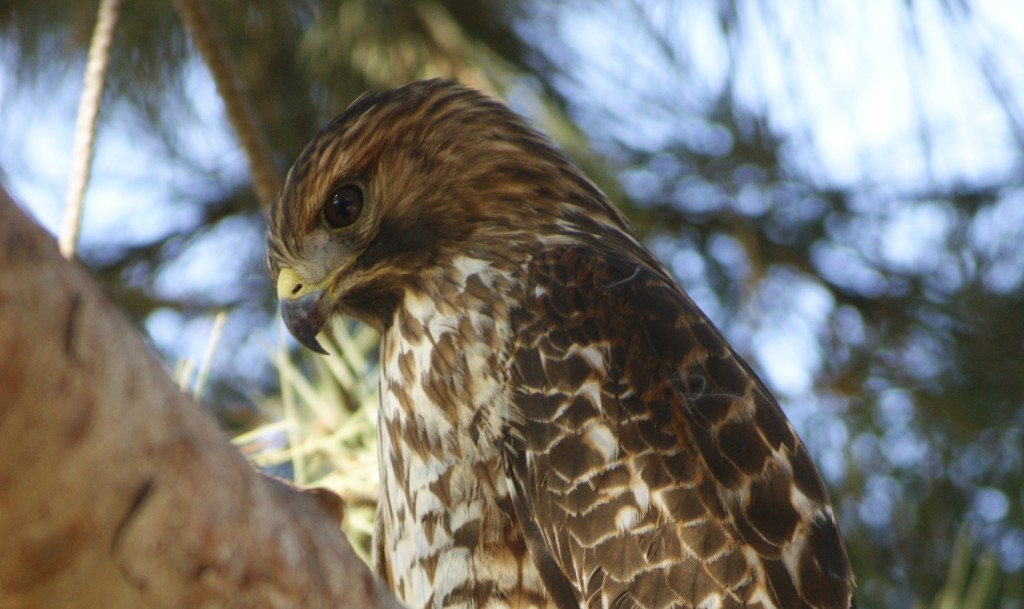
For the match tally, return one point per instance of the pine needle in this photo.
(85, 124)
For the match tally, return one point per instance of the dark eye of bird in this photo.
(343, 206)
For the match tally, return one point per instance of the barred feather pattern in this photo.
(560, 425)
(667, 474)
(447, 535)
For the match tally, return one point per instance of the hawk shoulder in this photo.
(653, 463)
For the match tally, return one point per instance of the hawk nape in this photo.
(560, 425)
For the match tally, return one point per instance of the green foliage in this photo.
(322, 431)
(975, 582)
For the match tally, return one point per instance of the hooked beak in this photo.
(304, 308)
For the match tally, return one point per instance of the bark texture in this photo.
(118, 491)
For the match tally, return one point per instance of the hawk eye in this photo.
(343, 206)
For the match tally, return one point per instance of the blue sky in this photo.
(864, 127)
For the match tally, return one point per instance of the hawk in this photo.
(560, 425)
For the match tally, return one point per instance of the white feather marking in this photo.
(420, 305)
(760, 591)
(429, 416)
(392, 361)
(454, 563)
(483, 387)
(427, 504)
(792, 553)
(594, 358)
(418, 584)
(464, 513)
(804, 506)
(627, 517)
(591, 392)
(637, 485)
(554, 240)
(439, 325)
(467, 267)
(422, 472)
(421, 353)
(601, 439)
(657, 498)
(642, 494)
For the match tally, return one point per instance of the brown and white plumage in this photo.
(560, 425)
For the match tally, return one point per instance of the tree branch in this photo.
(265, 177)
(85, 123)
(116, 490)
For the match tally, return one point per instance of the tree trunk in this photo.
(115, 489)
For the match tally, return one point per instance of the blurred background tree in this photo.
(840, 186)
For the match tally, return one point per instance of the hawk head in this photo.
(400, 182)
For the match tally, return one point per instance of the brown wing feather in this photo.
(659, 470)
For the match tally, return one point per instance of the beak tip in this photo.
(314, 346)
(304, 319)
(305, 334)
